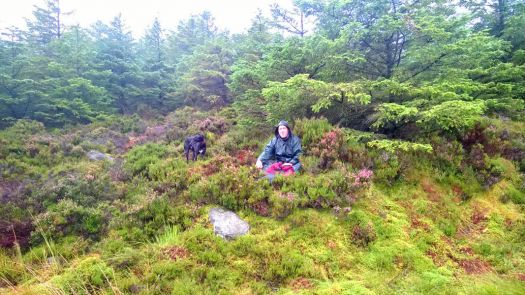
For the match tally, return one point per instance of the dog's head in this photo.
(198, 138)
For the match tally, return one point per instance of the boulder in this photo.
(98, 156)
(227, 224)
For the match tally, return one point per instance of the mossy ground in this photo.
(423, 246)
(144, 229)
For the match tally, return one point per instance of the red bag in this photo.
(278, 167)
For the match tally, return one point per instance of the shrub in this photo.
(282, 204)
(125, 258)
(170, 173)
(69, 218)
(300, 96)
(14, 231)
(358, 153)
(391, 116)
(234, 188)
(86, 276)
(452, 117)
(213, 124)
(362, 229)
(159, 214)
(140, 158)
(335, 188)
(393, 146)
(57, 250)
(481, 134)
(23, 128)
(392, 157)
(362, 235)
(522, 165)
(76, 151)
(204, 245)
(85, 189)
(489, 171)
(387, 167)
(311, 131)
(447, 153)
(26, 150)
(12, 271)
(242, 139)
(311, 164)
(331, 148)
(181, 122)
(514, 195)
(102, 138)
(287, 265)
(122, 123)
(363, 178)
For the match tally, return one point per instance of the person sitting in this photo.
(281, 154)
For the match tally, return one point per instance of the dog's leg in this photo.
(186, 150)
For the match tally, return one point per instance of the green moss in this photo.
(205, 246)
(492, 285)
(448, 227)
(167, 270)
(437, 281)
(344, 287)
(285, 263)
(186, 286)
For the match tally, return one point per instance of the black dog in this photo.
(196, 144)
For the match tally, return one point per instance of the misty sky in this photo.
(234, 15)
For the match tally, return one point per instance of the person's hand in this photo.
(258, 164)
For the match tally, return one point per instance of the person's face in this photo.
(283, 131)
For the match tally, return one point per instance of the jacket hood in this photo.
(283, 123)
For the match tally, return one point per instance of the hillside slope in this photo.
(366, 216)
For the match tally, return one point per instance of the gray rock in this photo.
(98, 156)
(52, 260)
(227, 224)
